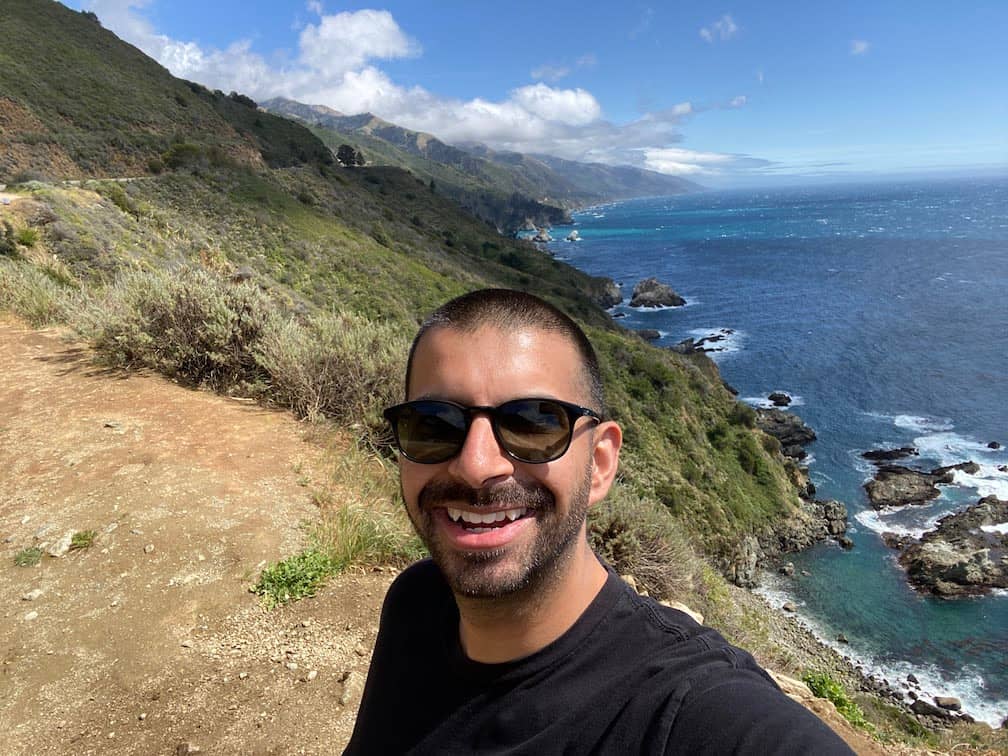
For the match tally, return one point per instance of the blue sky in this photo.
(739, 94)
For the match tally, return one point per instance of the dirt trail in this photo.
(149, 641)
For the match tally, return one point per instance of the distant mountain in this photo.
(504, 188)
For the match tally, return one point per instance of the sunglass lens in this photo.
(533, 430)
(430, 432)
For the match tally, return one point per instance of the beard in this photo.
(495, 573)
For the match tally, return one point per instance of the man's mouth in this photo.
(484, 522)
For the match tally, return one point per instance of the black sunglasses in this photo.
(529, 430)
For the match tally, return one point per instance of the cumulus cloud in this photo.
(724, 28)
(555, 71)
(335, 64)
(858, 47)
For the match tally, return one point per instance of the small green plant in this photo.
(28, 557)
(82, 539)
(294, 578)
(27, 237)
(824, 686)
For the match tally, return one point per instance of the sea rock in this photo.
(573, 236)
(789, 607)
(959, 557)
(686, 346)
(787, 428)
(947, 473)
(786, 569)
(606, 293)
(949, 703)
(649, 334)
(923, 708)
(896, 540)
(779, 399)
(835, 515)
(993, 445)
(845, 542)
(895, 485)
(542, 236)
(653, 293)
(888, 455)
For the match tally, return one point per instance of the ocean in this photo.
(882, 309)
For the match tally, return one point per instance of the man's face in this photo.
(540, 508)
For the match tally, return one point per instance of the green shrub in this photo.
(294, 578)
(28, 557)
(8, 243)
(339, 365)
(82, 539)
(638, 537)
(27, 237)
(34, 293)
(824, 686)
(187, 324)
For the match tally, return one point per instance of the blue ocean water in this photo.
(882, 309)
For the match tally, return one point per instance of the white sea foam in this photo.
(763, 403)
(950, 448)
(730, 343)
(967, 684)
(922, 423)
(988, 481)
(1000, 529)
(881, 522)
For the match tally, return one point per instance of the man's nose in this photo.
(481, 459)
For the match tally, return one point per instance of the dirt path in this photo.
(149, 641)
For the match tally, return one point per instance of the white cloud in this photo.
(858, 47)
(315, 7)
(682, 162)
(335, 65)
(738, 102)
(724, 28)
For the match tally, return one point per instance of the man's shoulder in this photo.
(420, 582)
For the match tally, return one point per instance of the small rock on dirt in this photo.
(62, 546)
(32, 595)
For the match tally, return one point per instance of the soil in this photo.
(149, 641)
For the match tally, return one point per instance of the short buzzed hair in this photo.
(507, 309)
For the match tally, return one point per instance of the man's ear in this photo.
(608, 439)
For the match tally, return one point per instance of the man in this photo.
(514, 638)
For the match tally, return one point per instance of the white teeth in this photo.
(488, 518)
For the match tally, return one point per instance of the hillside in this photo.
(503, 188)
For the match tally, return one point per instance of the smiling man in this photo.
(514, 637)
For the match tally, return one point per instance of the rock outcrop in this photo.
(653, 293)
(896, 486)
(649, 334)
(573, 236)
(779, 399)
(787, 428)
(542, 236)
(888, 455)
(965, 554)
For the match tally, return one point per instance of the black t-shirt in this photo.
(631, 676)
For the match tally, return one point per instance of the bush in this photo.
(187, 324)
(82, 539)
(294, 578)
(824, 686)
(8, 244)
(339, 365)
(27, 237)
(28, 557)
(33, 293)
(637, 537)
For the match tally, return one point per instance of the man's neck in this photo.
(505, 629)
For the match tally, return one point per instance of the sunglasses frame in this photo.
(573, 411)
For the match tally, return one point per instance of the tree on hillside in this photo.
(349, 157)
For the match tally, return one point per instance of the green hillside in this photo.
(240, 195)
(503, 188)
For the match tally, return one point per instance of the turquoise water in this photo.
(882, 309)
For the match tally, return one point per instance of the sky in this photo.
(746, 93)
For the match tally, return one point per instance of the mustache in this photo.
(505, 495)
